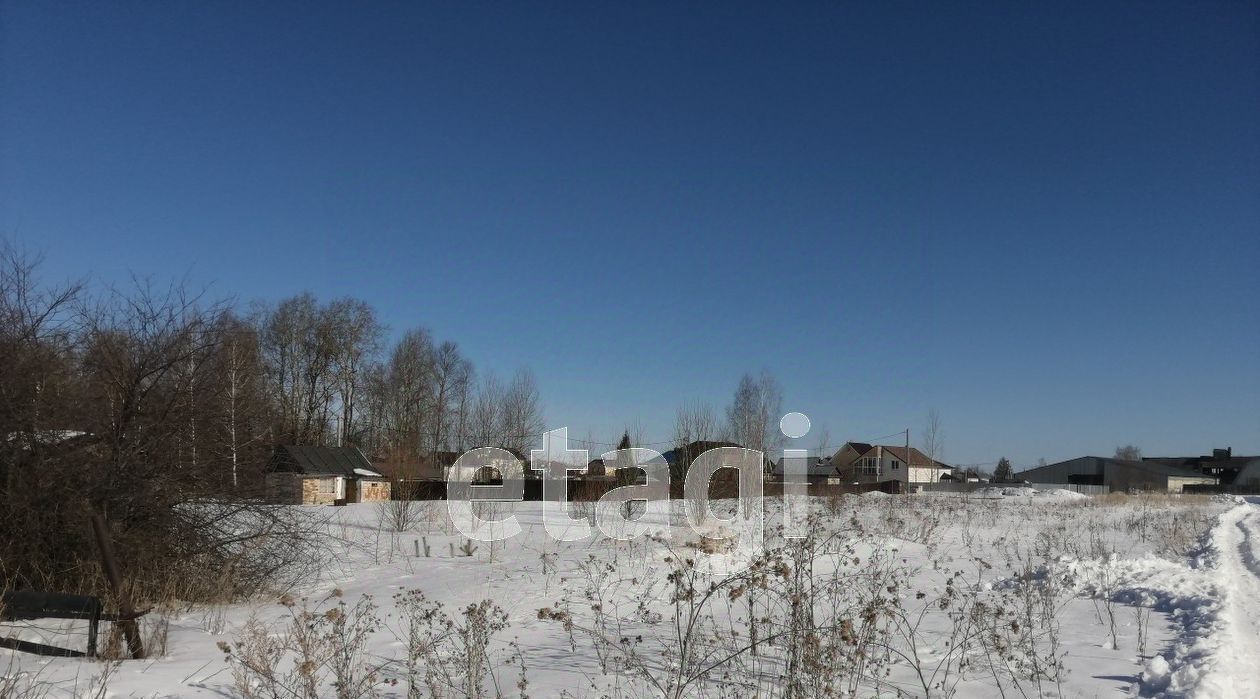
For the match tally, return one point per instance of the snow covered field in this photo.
(1004, 593)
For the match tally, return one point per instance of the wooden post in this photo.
(126, 615)
(93, 624)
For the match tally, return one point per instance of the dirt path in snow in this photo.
(1237, 538)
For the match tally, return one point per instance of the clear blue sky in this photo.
(1041, 219)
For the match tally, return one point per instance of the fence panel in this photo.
(957, 487)
(1074, 487)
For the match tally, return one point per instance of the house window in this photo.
(327, 486)
(870, 466)
(896, 464)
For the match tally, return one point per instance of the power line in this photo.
(898, 433)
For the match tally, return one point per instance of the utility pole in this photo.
(907, 464)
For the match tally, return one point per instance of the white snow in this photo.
(1233, 566)
(1204, 608)
(1213, 603)
(1023, 491)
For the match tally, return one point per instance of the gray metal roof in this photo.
(322, 461)
(1161, 469)
(1098, 463)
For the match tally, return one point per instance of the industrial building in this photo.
(1117, 474)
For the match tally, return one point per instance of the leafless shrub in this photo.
(399, 515)
(451, 656)
(831, 628)
(259, 547)
(318, 653)
(154, 630)
(782, 627)
(1174, 527)
(688, 651)
(812, 618)
(1142, 617)
(939, 673)
(584, 496)
(1104, 587)
(18, 684)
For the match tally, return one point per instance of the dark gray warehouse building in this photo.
(1117, 474)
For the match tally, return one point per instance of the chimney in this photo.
(1222, 454)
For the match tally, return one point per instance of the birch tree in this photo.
(934, 436)
(242, 407)
(752, 418)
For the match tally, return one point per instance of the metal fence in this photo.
(1221, 489)
(957, 487)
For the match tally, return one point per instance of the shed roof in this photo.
(322, 461)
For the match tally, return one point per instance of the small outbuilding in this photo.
(310, 475)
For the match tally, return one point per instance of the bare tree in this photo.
(138, 387)
(318, 360)
(824, 442)
(39, 331)
(1003, 473)
(355, 339)
(694, 422)
(1129, 452)
(297, 347)
(486, 422)
(144, 355)
(934, 436)
(753, 415)
(404, 394)
(451, 374)
(522, 412)
(462, 405)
